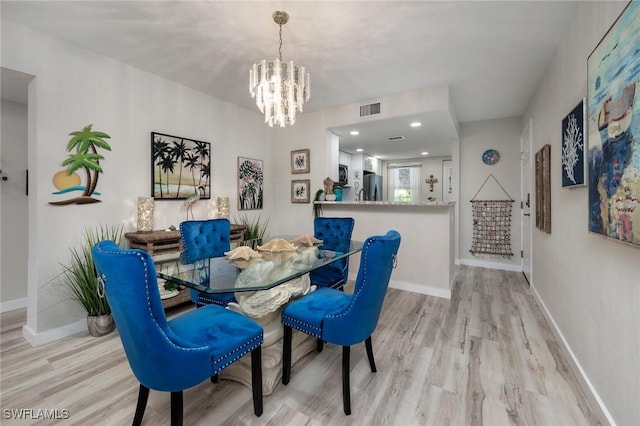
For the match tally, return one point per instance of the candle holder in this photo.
(145, 214)
(223, 207)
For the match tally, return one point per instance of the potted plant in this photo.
(255, 231)
(80, 279)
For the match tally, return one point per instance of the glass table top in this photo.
(223, 275)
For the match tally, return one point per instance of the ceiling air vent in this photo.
(369, 110)
(396, 138)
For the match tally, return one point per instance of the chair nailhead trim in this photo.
(252, 345)
(298, 325)
(146, 282)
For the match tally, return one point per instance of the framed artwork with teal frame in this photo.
(613, 78)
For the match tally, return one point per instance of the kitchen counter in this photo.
(426, 260)
(390, 203)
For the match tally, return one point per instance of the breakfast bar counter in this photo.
(426, 260)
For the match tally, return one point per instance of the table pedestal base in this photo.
(240, 371)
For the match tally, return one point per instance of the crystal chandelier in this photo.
(279, 88)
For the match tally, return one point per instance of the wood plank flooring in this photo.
(485, 357)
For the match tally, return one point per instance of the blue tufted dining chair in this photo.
(174, 355)
(335, 233)
(341, 318)
(202, 239)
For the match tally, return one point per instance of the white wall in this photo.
(74, 87)
(502, 135)
(13, 290)
(588, 284)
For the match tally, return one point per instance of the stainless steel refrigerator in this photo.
(372, 185)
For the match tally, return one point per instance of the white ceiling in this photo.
(491, 53)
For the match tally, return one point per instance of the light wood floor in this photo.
(486, 357)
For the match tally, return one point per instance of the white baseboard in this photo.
(48, 336)
(490, 265)
(421, 289)
(12, 305)
(415, 288)
(577, 369)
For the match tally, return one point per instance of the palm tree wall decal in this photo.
(85, 143)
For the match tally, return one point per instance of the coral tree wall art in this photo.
(573, 147)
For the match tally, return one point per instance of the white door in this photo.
(526, 141)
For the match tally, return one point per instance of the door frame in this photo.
(526, 242)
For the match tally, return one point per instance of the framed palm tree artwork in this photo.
(181, 167)
(250, 183)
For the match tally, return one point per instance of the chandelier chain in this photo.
(280, 47)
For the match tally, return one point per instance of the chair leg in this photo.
(319, 345)
(372, 362)
(143, 396)
(214, 378)
(176, 408)
(346, 394)
(286, 355)
(256, 380)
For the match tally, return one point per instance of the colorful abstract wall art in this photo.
(614, 130)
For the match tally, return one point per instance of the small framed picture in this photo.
(300, 161)
(300, 190)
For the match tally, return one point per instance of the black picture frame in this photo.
(180, 167)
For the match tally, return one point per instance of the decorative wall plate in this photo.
(490, 157)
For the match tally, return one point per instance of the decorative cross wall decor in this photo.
(431, 181)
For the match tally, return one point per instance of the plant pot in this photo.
(100, 325)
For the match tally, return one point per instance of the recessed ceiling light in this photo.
(416, 124)
(354, 132)
(424, 153)
(359, 150)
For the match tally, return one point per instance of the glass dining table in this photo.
(262, 284)
(268, 270)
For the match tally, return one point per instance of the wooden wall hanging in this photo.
(491, 224)
(543, 189)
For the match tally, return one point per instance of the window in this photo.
(404, 182)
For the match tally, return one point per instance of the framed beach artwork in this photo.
(300, 190)
(573, 158)
(250, 183)
(180, 167)
(613, 121)
(300, 161)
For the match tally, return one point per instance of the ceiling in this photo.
(491, 53)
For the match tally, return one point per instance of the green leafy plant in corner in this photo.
(80, 277)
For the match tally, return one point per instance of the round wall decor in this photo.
(490, 157)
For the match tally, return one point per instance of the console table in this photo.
(164, 242)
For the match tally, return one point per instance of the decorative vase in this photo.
(338, 193)
(145, 214)
(330, 197)
(100, 325)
